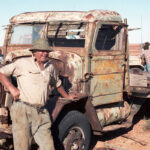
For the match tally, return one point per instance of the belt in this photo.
(38, 107)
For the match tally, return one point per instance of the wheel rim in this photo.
(75, 139)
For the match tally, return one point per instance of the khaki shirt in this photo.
(33, 82)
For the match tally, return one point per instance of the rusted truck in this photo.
(91, 56)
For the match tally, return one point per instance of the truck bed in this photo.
(139, 83)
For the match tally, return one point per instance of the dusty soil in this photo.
(135, 138)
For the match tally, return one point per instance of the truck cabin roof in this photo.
(81, 16)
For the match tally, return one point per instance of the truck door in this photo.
(107, 64)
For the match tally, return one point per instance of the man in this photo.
(145, 56)
(29, 117)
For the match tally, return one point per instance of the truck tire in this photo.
(74, 131)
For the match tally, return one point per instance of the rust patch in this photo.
(72, 68)
(107, 77)
(106, 66)
(89, 16)
(48, 16)
(114, 112)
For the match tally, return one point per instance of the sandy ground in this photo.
(135, 138)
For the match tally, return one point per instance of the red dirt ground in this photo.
(138, 139)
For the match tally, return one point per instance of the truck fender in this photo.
(83, 104)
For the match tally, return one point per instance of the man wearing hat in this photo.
(145, 57)
(29, 116)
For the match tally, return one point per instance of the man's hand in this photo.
(73, 97)
(9, 86)
(15, 93)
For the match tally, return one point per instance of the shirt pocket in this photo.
(34, 72)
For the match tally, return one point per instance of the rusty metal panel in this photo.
(137, 80)
(106, 99)
(107, 65)
(86, 16)
(113, 113)
(16, 54)
(11, 48)
(107, 88)
(107, 82)
(73, 67)
(77, 50)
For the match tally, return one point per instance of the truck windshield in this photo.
(26, 34)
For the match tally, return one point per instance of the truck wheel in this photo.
(74, 131)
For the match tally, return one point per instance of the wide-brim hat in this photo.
(41, 44)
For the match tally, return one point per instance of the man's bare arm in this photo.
(11, 88)
(64, 94)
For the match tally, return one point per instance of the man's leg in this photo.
(43, 135)
(20, 127)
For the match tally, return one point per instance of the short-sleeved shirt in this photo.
(33, 82)
(146, 55)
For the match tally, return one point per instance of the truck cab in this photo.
(90, 54)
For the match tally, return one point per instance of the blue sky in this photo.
(136, 11)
